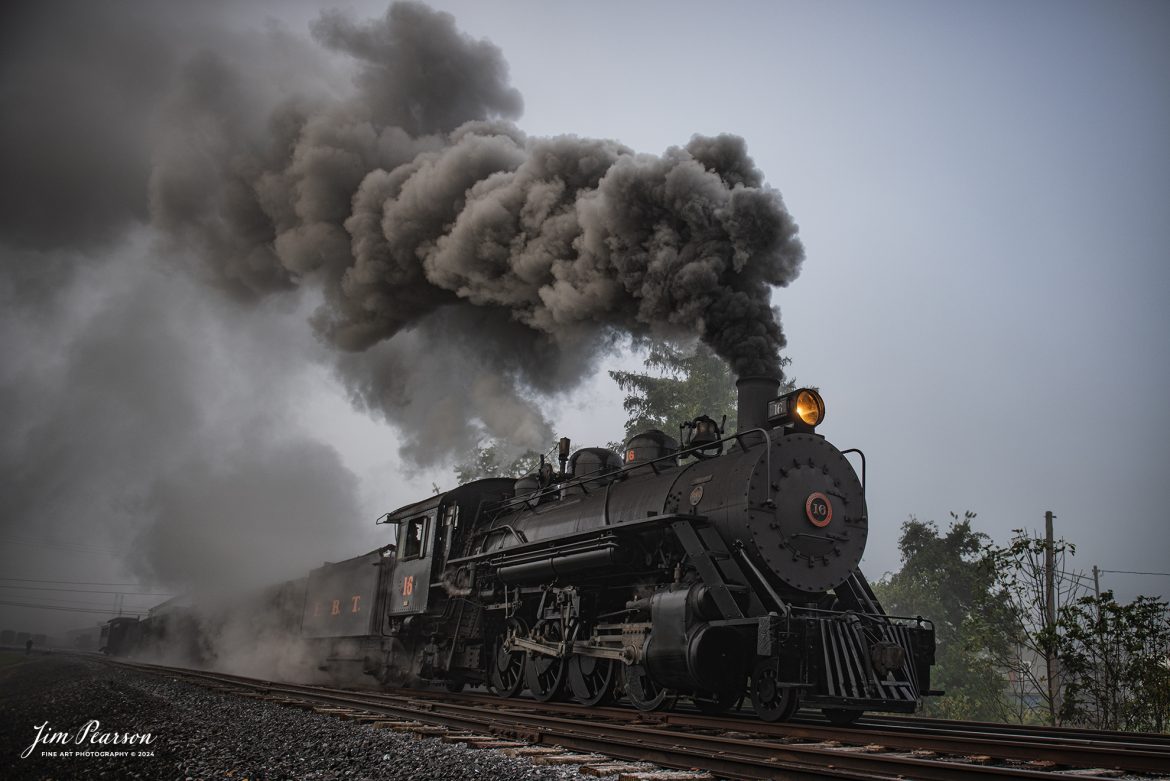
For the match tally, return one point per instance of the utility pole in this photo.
(1097, 590)
(1049, 570)
(1050, 611)
(1104, 670)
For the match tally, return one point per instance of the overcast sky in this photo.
(982, 190)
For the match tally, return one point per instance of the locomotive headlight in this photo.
(802, 409)
(809, 407)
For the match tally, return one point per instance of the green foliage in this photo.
(678, 386)
(1115, 660)
(1030, 659)
(489, 462)
(944, 578)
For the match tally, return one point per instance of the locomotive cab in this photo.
(430, 623)
(422, 529)
(430, 532)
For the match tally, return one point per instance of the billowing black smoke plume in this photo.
(414, 204)
(148, 431)
(372, 173)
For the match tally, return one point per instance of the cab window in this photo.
(414, 537)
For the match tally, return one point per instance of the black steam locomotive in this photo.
(723, 567)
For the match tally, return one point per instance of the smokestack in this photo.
(754, 394)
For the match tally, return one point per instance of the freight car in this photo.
(252, 632)
(119, 636)
(724, 566)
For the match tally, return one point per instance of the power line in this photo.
(66, 546)
(71, 582)
(1128, 572)
(66, 609)
(92, 591)
(34, 599)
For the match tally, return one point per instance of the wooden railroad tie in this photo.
(872, 748)
(413, 727)
(1043, 764)
(612, 768)
(666, 775)
(532, 751)
(494, 743)
(481, 741)
(299, 704)
(567, 759)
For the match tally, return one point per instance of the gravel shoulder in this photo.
(201, 734)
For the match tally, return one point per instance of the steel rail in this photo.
(1105, 737)
(1132, 758)
(1082, 748)
(650, 737)
(873, 724)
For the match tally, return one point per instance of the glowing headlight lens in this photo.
(809, 408)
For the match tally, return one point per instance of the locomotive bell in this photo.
(706, 431)
(705, 437)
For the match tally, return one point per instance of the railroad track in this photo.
(1022, 730)
(736, 746)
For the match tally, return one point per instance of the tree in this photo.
(1019, 569)
(1115, 660)
(944, 577)
(489, 462)
(680, 384)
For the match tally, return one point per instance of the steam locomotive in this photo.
(717, 568)
(720, 567)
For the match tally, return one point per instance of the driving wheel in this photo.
(591, 679)
(772, 701)
(545, 675)
(506, 668)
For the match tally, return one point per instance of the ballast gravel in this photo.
(203, 734)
